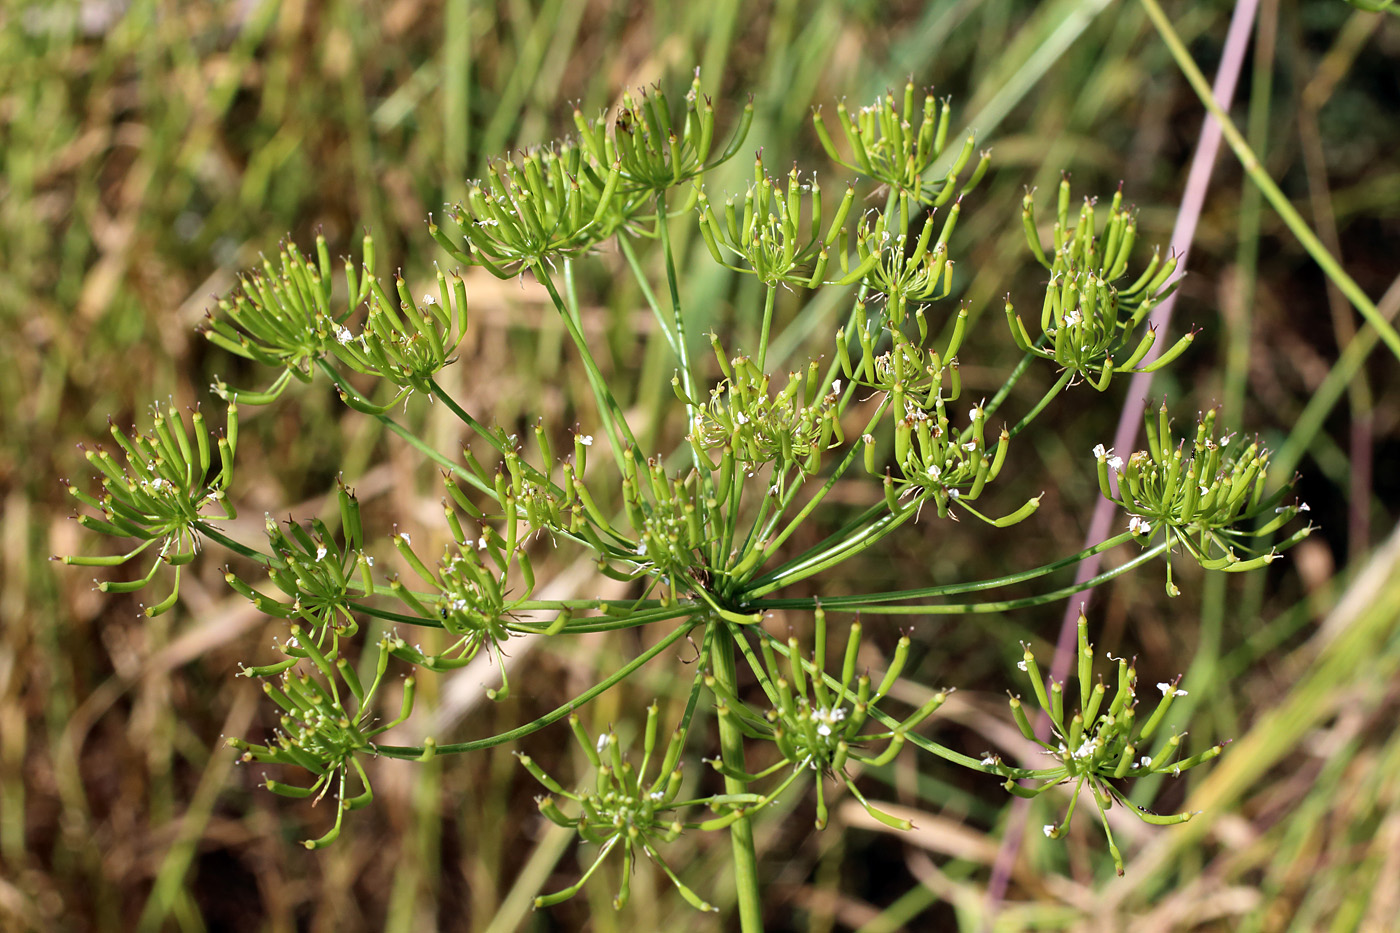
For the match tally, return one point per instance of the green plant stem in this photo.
(237, 547)
(828, 544)
(991, 407)
(953, 589)
(874, 606)
(630, 255)
(621, 674)
(697, 684)
(681, 345)
(864, 538)
(614, 422)
(441, 395)
(581, 626)
(731, 741)
(420, 445)
(1291, 218)
(1045, 399)
(820, 494)
(770, 292)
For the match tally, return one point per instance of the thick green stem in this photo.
(731, 742)
(214, 534)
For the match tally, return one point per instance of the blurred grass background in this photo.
(152, 149)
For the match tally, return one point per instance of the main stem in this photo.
(731, 742)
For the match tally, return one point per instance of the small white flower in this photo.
(954, 494)
(989, 759)
(1049, 830)
(934, 472)
(429, 300)
(481, 543)
(970, 446)
(1115, 463)
(826, 718)
(586, 440)
(741, 418)
(642, 549)
(1304, 507)
(1139, 525)
(1145, 762)
(1165, 688)
(459, 604)
(321, 553)
(836, 385)
(369, 561)
(975, 413)
(343, 335)
(602, 743)
(406, 538)
(1022, 665)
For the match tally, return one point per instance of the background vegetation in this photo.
(152, 149)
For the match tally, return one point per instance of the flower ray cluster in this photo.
(1088, 320)
(886, 147)
(623, 809)
(816, 720)
(317, 732)
(1202, 496)
(160, 496)
(1104, 741)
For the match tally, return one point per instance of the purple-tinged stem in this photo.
(1188, 215)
